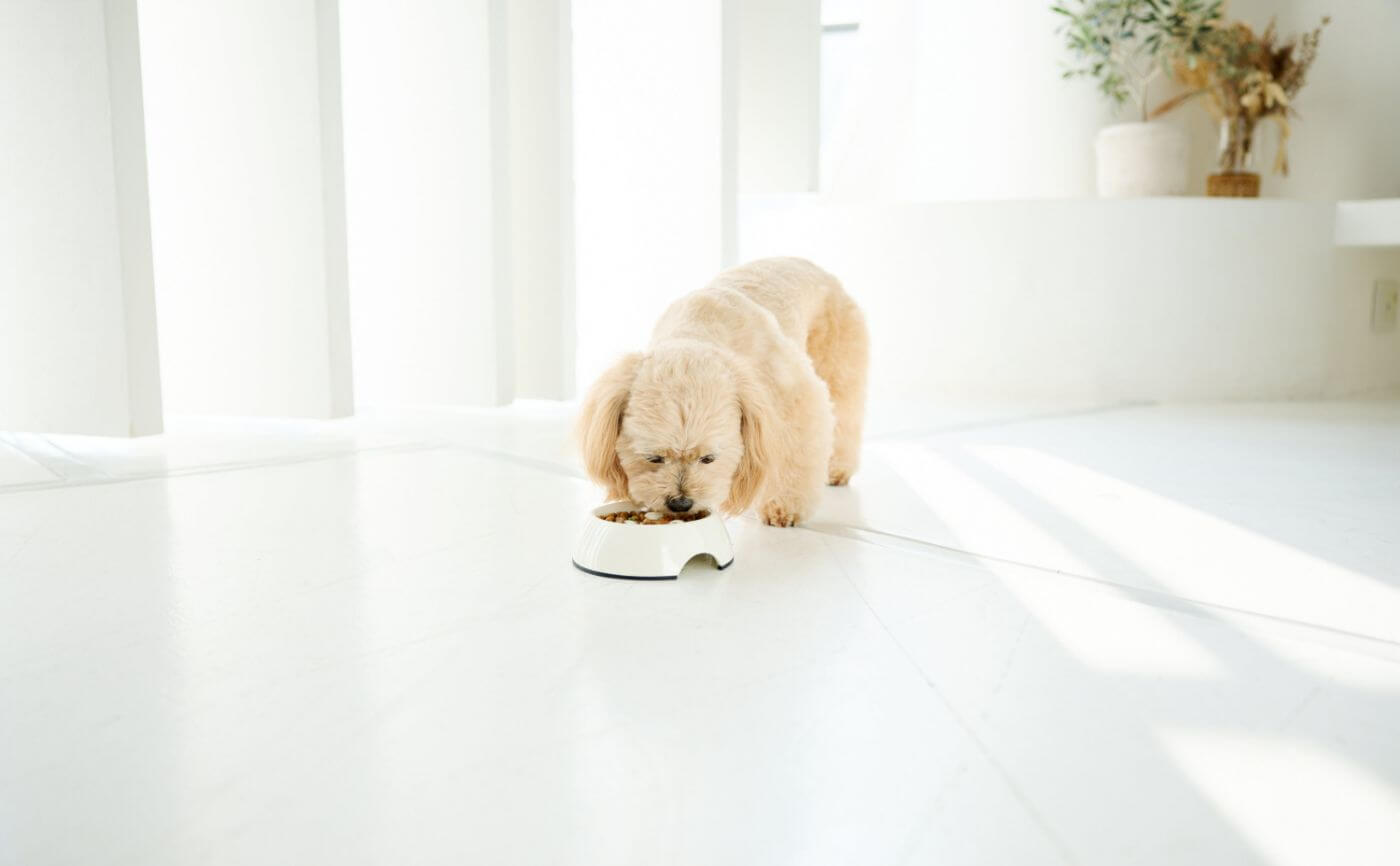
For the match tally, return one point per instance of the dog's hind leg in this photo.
(839, 347)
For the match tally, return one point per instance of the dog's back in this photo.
(753, 305)
(812, 310)
(794, 290)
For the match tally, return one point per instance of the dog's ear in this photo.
(757, 426)
(599, 422)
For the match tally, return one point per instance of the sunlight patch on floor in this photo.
(1300, 803)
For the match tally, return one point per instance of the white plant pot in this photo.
(1136, 159)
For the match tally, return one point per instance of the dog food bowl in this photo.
(639, 552)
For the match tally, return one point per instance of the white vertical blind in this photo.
(422, 228)
(779, 72)
(459, 175)
(77, 322)
(541, 196)
(240, 211)
(654, 164)
(352, 201)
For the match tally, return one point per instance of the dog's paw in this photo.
(775, 514)
(840, 470)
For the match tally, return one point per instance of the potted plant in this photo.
(1246, 78)
(1127, 45)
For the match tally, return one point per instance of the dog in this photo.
(752, 393)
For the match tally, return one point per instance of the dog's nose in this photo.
(679, 503)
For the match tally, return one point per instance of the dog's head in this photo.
(680, 429)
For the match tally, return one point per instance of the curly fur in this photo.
(763, 371)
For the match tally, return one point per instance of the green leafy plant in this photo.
(1127, 44)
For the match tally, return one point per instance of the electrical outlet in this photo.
(1383, 303)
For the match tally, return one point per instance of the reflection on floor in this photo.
(1144, 635)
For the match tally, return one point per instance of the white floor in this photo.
(1146, 635)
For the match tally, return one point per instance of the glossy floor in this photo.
(1146, 635)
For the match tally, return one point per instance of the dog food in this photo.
(652, 518)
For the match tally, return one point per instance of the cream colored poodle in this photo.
(752, 391)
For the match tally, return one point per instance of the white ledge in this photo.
(1374, 223)
(1359, 223)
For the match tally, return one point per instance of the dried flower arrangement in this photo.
(1245, 78)
(1128, 44)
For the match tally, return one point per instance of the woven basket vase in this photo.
(1233, 184)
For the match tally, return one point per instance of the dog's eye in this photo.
(656, 459)
(708, 458)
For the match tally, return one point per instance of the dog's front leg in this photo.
(795, 495)
(778, 512)
(799, 473)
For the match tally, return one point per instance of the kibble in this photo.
(652, 518)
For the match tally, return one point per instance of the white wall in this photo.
(964, 102)
(252, 319)
(1091, 301)
(426, 253)
(1051, 300)
(1363, 359)
(77, 323)
(654, 163)
(992, 118)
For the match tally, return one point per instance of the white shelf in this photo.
(1374, 223)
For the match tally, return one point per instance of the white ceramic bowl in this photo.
(639, 552)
